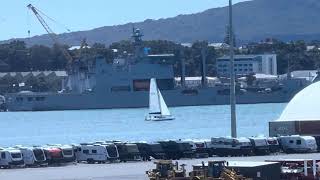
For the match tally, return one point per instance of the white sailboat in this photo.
(158, 110)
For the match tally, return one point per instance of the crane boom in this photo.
(51, 34)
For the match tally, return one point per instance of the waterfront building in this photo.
(248, 64)
(18, 80)
(301, 116)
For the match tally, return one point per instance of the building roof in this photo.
(240, 57)
(186, 44)
(219, 45)
(265, 76)
(245, 163)
(244, 56)
(307, 74)
(195, 78)
(304, 106)
(161, 55)
(78, 47)
(34, 74)
(249, 163)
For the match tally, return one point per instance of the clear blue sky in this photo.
(16, 19)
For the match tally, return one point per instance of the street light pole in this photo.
(232, 76)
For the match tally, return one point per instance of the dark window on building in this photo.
(40, 98)
(86, 151)
(19, 99)
(94, 151)
(245, 69)
(165, 84)
(190, 92)
(250, 65)
(144, 84)
(120, 88)
(3, 155)
(291, 141)
(141, 85)
(298, 142)
(30, 98)
(240, 64)
(245, 64)
(224, 92)
(250, 69)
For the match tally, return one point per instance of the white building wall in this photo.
(255, 67)
(269, 64)
(259, 64)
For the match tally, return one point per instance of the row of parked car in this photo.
(115, 151)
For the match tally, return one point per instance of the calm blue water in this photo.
(31, 128)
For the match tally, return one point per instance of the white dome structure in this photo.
(305, 106)
(301, 116)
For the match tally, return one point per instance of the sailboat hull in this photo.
(159, 118)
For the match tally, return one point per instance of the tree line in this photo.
(293, 55)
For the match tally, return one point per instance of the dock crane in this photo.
(51, 34)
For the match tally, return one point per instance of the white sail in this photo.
(154, 103)
(163, 107)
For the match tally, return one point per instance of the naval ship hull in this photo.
(73, 101)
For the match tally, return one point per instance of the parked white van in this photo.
(298, 144)
(112, 151)
(199, 147)
(91, 153)
(10, 157)
(33, 156)
(260, 145)
(231, 146)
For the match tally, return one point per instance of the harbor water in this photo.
(37, 128)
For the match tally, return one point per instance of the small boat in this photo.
(158, 110)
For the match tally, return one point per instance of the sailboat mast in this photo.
(232, 76)
(159, 101)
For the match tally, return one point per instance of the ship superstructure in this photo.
(95, 84)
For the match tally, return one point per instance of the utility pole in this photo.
(232, 77)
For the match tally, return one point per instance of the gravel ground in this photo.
(119, 171)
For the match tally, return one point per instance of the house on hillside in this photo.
(223, 46)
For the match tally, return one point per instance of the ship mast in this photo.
(137, 37)
(232, 76)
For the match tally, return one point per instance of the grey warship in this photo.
(96, 84)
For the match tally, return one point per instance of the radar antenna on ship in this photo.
(137, 35)
(138, 43)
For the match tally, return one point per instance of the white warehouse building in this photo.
(247, 64)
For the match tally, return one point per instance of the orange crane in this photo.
(51, 34)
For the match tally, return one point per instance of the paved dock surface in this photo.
(119, 171)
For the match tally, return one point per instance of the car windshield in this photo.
(112, 150)
(16, 155)
(68, 152)
(39, 154)
(156, 148)
(132, 148)
(184, 147)
(272, 142)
